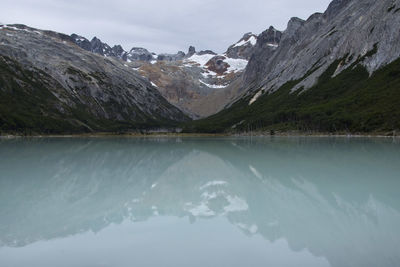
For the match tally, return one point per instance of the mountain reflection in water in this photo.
(325, 201)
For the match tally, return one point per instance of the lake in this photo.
(279, 201)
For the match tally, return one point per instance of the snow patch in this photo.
(81, 39)
(209, 73)
(272, 45)
(17, 29)
(236, 64)
(252, 40)
(200, 59)
(214, 86)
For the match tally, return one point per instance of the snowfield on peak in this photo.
(252, 40)
(200, 59)
(214, 86)
(235, 65)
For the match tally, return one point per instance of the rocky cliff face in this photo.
(347, 31)
(344, 47)
(244, 48)
(186, 80)
(98, 47)
(49, 84)
(139, 54)
(335, 71)
(266, 45)
(190, 81)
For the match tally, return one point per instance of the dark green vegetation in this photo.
(27, 106)
(350, 102)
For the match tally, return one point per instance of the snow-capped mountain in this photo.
(184, 79)
(244, 48)
(336, 71)
(187, 80)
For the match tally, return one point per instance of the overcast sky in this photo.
(159, 25)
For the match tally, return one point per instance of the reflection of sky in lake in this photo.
(200, 202)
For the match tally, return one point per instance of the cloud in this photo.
(159, 25)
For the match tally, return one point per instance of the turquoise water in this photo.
(116, 202)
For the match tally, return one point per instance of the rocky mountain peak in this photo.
(267, 43)
(100, 48)
(96, 42)
(172, 57)
(315, 16)
(335, 7)
(119, 52)
(350, 31)
(291, 34)
(293, 25)
(139, 54)
(118, 49)
(82, 42)
(243, 49)
(191, 51)
(247, 36)
(206, 52)
(269, 38)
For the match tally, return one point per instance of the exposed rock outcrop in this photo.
(336, 71)
(218, 65)
(191, 51)
(65, 88)
(140, 54)
(348, 30)
(171, 57)
(244, 48)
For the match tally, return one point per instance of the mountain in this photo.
(186, 80)
(244, 48)
(336, 71)
(98, 47)
(50, 85)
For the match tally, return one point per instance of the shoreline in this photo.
(175, 135)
